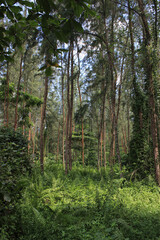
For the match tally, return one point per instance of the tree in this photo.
(149, 69)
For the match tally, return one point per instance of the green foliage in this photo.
(87, 204)
(90, 142)
(26, 101)
(31, 100)
(11, 34)
(14, 163)
(3, 90)
(141, 150)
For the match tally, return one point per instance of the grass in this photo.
(86, 205)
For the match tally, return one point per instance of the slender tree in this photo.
(17, 94)
(43, 115)
(80, 99)
(149, 68)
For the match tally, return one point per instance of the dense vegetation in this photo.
(85, 204)
(79, 119)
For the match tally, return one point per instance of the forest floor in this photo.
(88, 205)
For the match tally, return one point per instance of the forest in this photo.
(79, 120)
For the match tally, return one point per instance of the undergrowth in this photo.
(87, 204)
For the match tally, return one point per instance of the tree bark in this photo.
(80, 98)
(7, 102)
(71, 108)
(101, 141)
(155, 23)
(151, 90)
(104, 135)
(125, 139)
(110, 52)
(17, 95)
(29, 133)
(43, 115)
(58, 143)
(68, 114)
(63, 118)
(33, 141)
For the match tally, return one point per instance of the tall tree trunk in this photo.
(63, 118)
(58, 143)
(17, 95)
(128, 124)
(155, 23)
(98, 163)
(151, 90)
(103, 127)
(33, 141)
(71, 109)
(7, 102)
(117, 148)
(113, 75)
(104, 135)
(68, 113)
(29, 133)
(4, 106)
(101, 141)
(80, 98)
(123, 149)
(43, 115)
(124, 138)
(138, 114)
(116, 120)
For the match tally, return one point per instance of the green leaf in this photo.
(33, 23)
(7, 197)
(1, 56)
(33, 16)
(62, 50)
(67, 27)
(9, 58)
(10, 14)
(53, 64)
(11, 2)
(1, 15)
(28, 4)
(45, 4)
(16, 9)
(48, 71)
(77, 26)
(88, 10)
(78, 10)
(43, 67)
(61, 36)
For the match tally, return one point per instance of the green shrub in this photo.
(87, 204)
(14, 163)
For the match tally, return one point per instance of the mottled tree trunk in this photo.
(150, 88)
(125, 139)
(17, 95)
(29, 133)
(80, 98)
(63, 134)
(104, 135)
(33, 141)
(7, 96)
(101, 141)
(71, 109)
(68, 114)
(110, 52)
(58, 143)
(43, 115)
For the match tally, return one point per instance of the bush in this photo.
(14, 163)
(87, 204)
